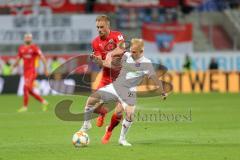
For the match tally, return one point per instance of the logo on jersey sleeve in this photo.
(120, 37)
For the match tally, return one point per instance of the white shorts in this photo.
(121, 94)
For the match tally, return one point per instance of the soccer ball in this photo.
(80, 139)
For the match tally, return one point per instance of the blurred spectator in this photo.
(154, 15)
(148, 14)
(6, 70)
(171, 15)
(233, 3)
(213, 64)
(133, 19)
(187, 65)
(55, 63)
(185, 8)
(90, 6)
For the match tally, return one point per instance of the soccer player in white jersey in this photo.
(134, 66)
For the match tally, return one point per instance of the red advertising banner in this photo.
(168, 37)
(181, 32)
(79, 6)
(63, 6)
(56, 6)
(193, 3)
(169, 3)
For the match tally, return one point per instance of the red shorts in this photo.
(104, 82)
(29, 80)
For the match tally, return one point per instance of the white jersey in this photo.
(133, 71)
(123, 89)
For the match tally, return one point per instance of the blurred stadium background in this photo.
(197, 40)
(183, 35)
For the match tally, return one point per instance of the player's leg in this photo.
(102, 110)
(115, 120)
(40, 99)
(27, 84)
(126, 124)
(37, 96)
(104, 94)
(116, 117)
(89, 110)
(25, 99)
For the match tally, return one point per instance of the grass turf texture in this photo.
(213, 132)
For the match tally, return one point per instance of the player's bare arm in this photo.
(103, 28)
(159, 85)
(43, 59)
(100, 62)
(97, 59)
(118, 51)
(114, 55)
(15, 63)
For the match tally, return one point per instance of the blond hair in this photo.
(138, 42)
(28, 34)
(103, 18)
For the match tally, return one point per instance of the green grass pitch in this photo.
(204, 127)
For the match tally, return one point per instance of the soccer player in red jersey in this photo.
(29, 52)
(107, 44)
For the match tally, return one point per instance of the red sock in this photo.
(25, 96)
(36, 96)
(102, 111)
(115, 120)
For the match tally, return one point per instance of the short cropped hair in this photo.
(138, 42)
(28, 34)
(103, 18)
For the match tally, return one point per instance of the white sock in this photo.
(125, 126)
(87, 115)
(86, 123)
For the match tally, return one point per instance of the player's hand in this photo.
(96, 59)
(164, 96)
(116, 62)
(93, 57)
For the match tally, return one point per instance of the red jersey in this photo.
(101, 48)
(29, 54)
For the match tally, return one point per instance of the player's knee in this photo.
(26, 87)
(130, 113)
(119, 109)
(93, 99)
(130, 116)
(119, 115)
